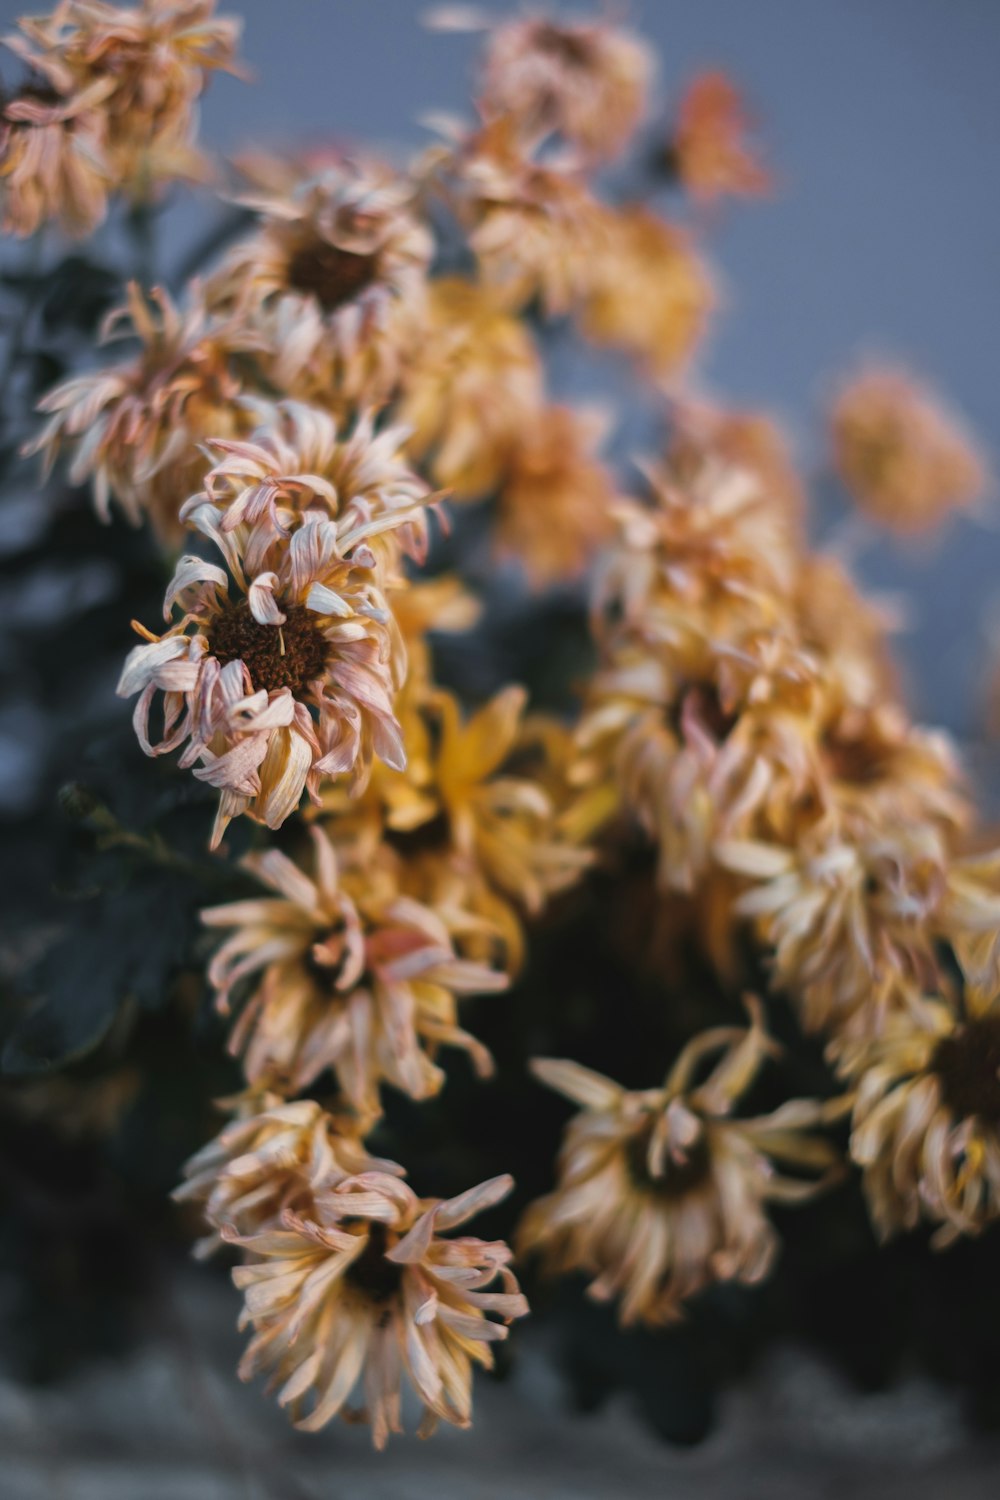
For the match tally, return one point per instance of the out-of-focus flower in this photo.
(137, 428)
(52, 160)
(346, 972)
(148, 64)
(647, 292)
(288, 677)
(849, 632)
(364, 1286)
(587, 82)
(273, 1155)
(334, 262)
(739, 440)
(926, 1119)
(474, 383)
(906, 460)
(555, 501)
(710, 150)
(661, 1193)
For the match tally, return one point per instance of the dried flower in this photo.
(905, 459)
(52, 161)
(364, 1286)
(661, 1193)
(710, 151)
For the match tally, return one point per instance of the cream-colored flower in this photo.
(661, 1193)
(365, 1286)
(281, 668)
(136, 428)
(337, 270)
(149, 63)
(907, 461)
(926, 1120)
(344, 971)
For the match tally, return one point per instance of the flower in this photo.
(288, 676)
(148, 65)
(647, 292)
(586, 82)
(336, 261)
(347, 972)
(137, 428)
(555, 503)
(365, 1285)
(474, 381)
(273, 1155)
(905, 459)
(926, 1117)
(660, 1193)
(52, 162)
(709, 150)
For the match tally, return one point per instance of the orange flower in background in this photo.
(907, 461)
(555, 504)
(711, 150)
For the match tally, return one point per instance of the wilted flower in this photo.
(363, 1286)
(926, 1119)
(905, 459)
(587, 82)
(137, 428)
(52, 162)
(710, 151)
(661, 1193)
(286, 678)
(346, 972)
(147, 64)
(646, 292)
(273, 1155)
(474, 382)
(555, 502)
(335, 261)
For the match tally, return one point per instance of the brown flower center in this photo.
(371, 1274)
(968, 1067)
(702, 699)
(677, 1178)
(571, 47)
(277, 656)
(331, 275)
(858, 762)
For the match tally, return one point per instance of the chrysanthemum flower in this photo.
(273, 1155)
(926, 1119)
(137, 427)
(149, 63)
(733, 439)
(647, 291)
(586, 82)
(661, 1193)
(281, 669)
(346, 972)
(365, 1286)
(555, 503)
(52, 160)
(474, 381)
(710, 150)
(906, 460)
(335, 260)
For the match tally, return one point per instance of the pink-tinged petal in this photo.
(580, 1084)
(263, 604)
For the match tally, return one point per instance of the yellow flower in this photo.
(364, 1286)
(137, 428)
(555, 504)
(905, 459)
(647, 292)
(474, 382)
(710, 151)
(336, 260)
(52, 160)
(148, 63)
(660, 1193)
(346, 972)
(926, 1119)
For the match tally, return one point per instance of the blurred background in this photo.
(881, 120)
